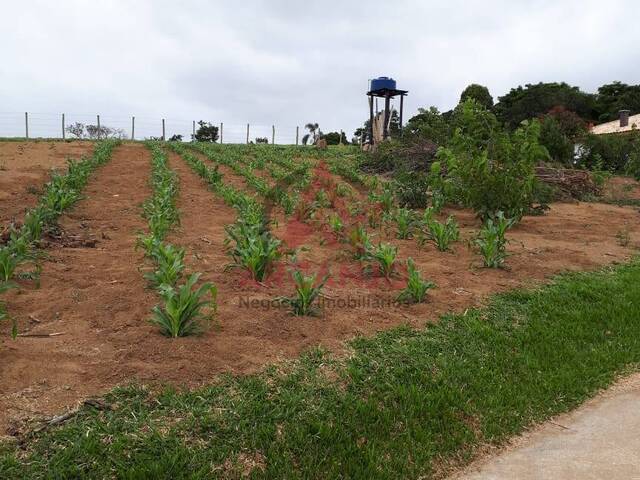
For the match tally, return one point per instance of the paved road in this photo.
(599, 440)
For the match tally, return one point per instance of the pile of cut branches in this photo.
(569, 182)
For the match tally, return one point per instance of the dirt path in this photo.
(596, 441)
(93, 295)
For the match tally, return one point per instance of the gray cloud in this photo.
(286, 63)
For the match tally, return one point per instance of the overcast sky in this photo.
(288, 63)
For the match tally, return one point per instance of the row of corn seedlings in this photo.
(251, 244)
(186, 307)
(232, 158)
(60, 193)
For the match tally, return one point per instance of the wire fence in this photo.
(49, 125)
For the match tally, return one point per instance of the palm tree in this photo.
(314, 133)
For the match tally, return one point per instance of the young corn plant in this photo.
(405, 220)
(170, 265)
(255, 249)
(417, 288)
(343, 190)
(184, 310)
(307, 291)
(443, 234)
(9, 262)
(360, 241)
(491, 241)
(384, 256)
(336, 225)
(322, 199)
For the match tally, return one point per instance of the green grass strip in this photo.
(403, 404)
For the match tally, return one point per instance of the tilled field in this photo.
(92, 291)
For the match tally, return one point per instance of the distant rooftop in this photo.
(614, 126)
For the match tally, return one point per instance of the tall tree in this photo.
(531, 101)
(479, 93)
(616, 96)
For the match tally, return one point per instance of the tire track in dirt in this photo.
(93, 295)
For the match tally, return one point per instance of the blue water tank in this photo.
(383, 82)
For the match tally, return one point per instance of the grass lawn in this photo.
(405, 403)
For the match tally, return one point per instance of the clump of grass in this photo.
(307, 291)
(492, 242)
(384, 256)
(417, 288)
(183, 312)
(443, 234)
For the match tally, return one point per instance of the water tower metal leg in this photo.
(401, 110)
(385, 127)
(370, 119)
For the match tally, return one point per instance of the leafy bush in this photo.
(489, 169)
(411, 188)
(417, 288)
(307, 291)
(492, 242)
(614, 151)
(183, 310)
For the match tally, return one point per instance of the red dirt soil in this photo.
(25, 167)
(98, 298)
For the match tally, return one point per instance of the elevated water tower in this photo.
(383, 87)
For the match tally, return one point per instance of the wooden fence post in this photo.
(63, 136)
(221, 131)
(163, 131)
(133, 128)
(273, 134)
(98, 116)
(247, 134)
(297, 132)
(26, 125)
(193, 135)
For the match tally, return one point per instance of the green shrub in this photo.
(411, 189)
(489, 169)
